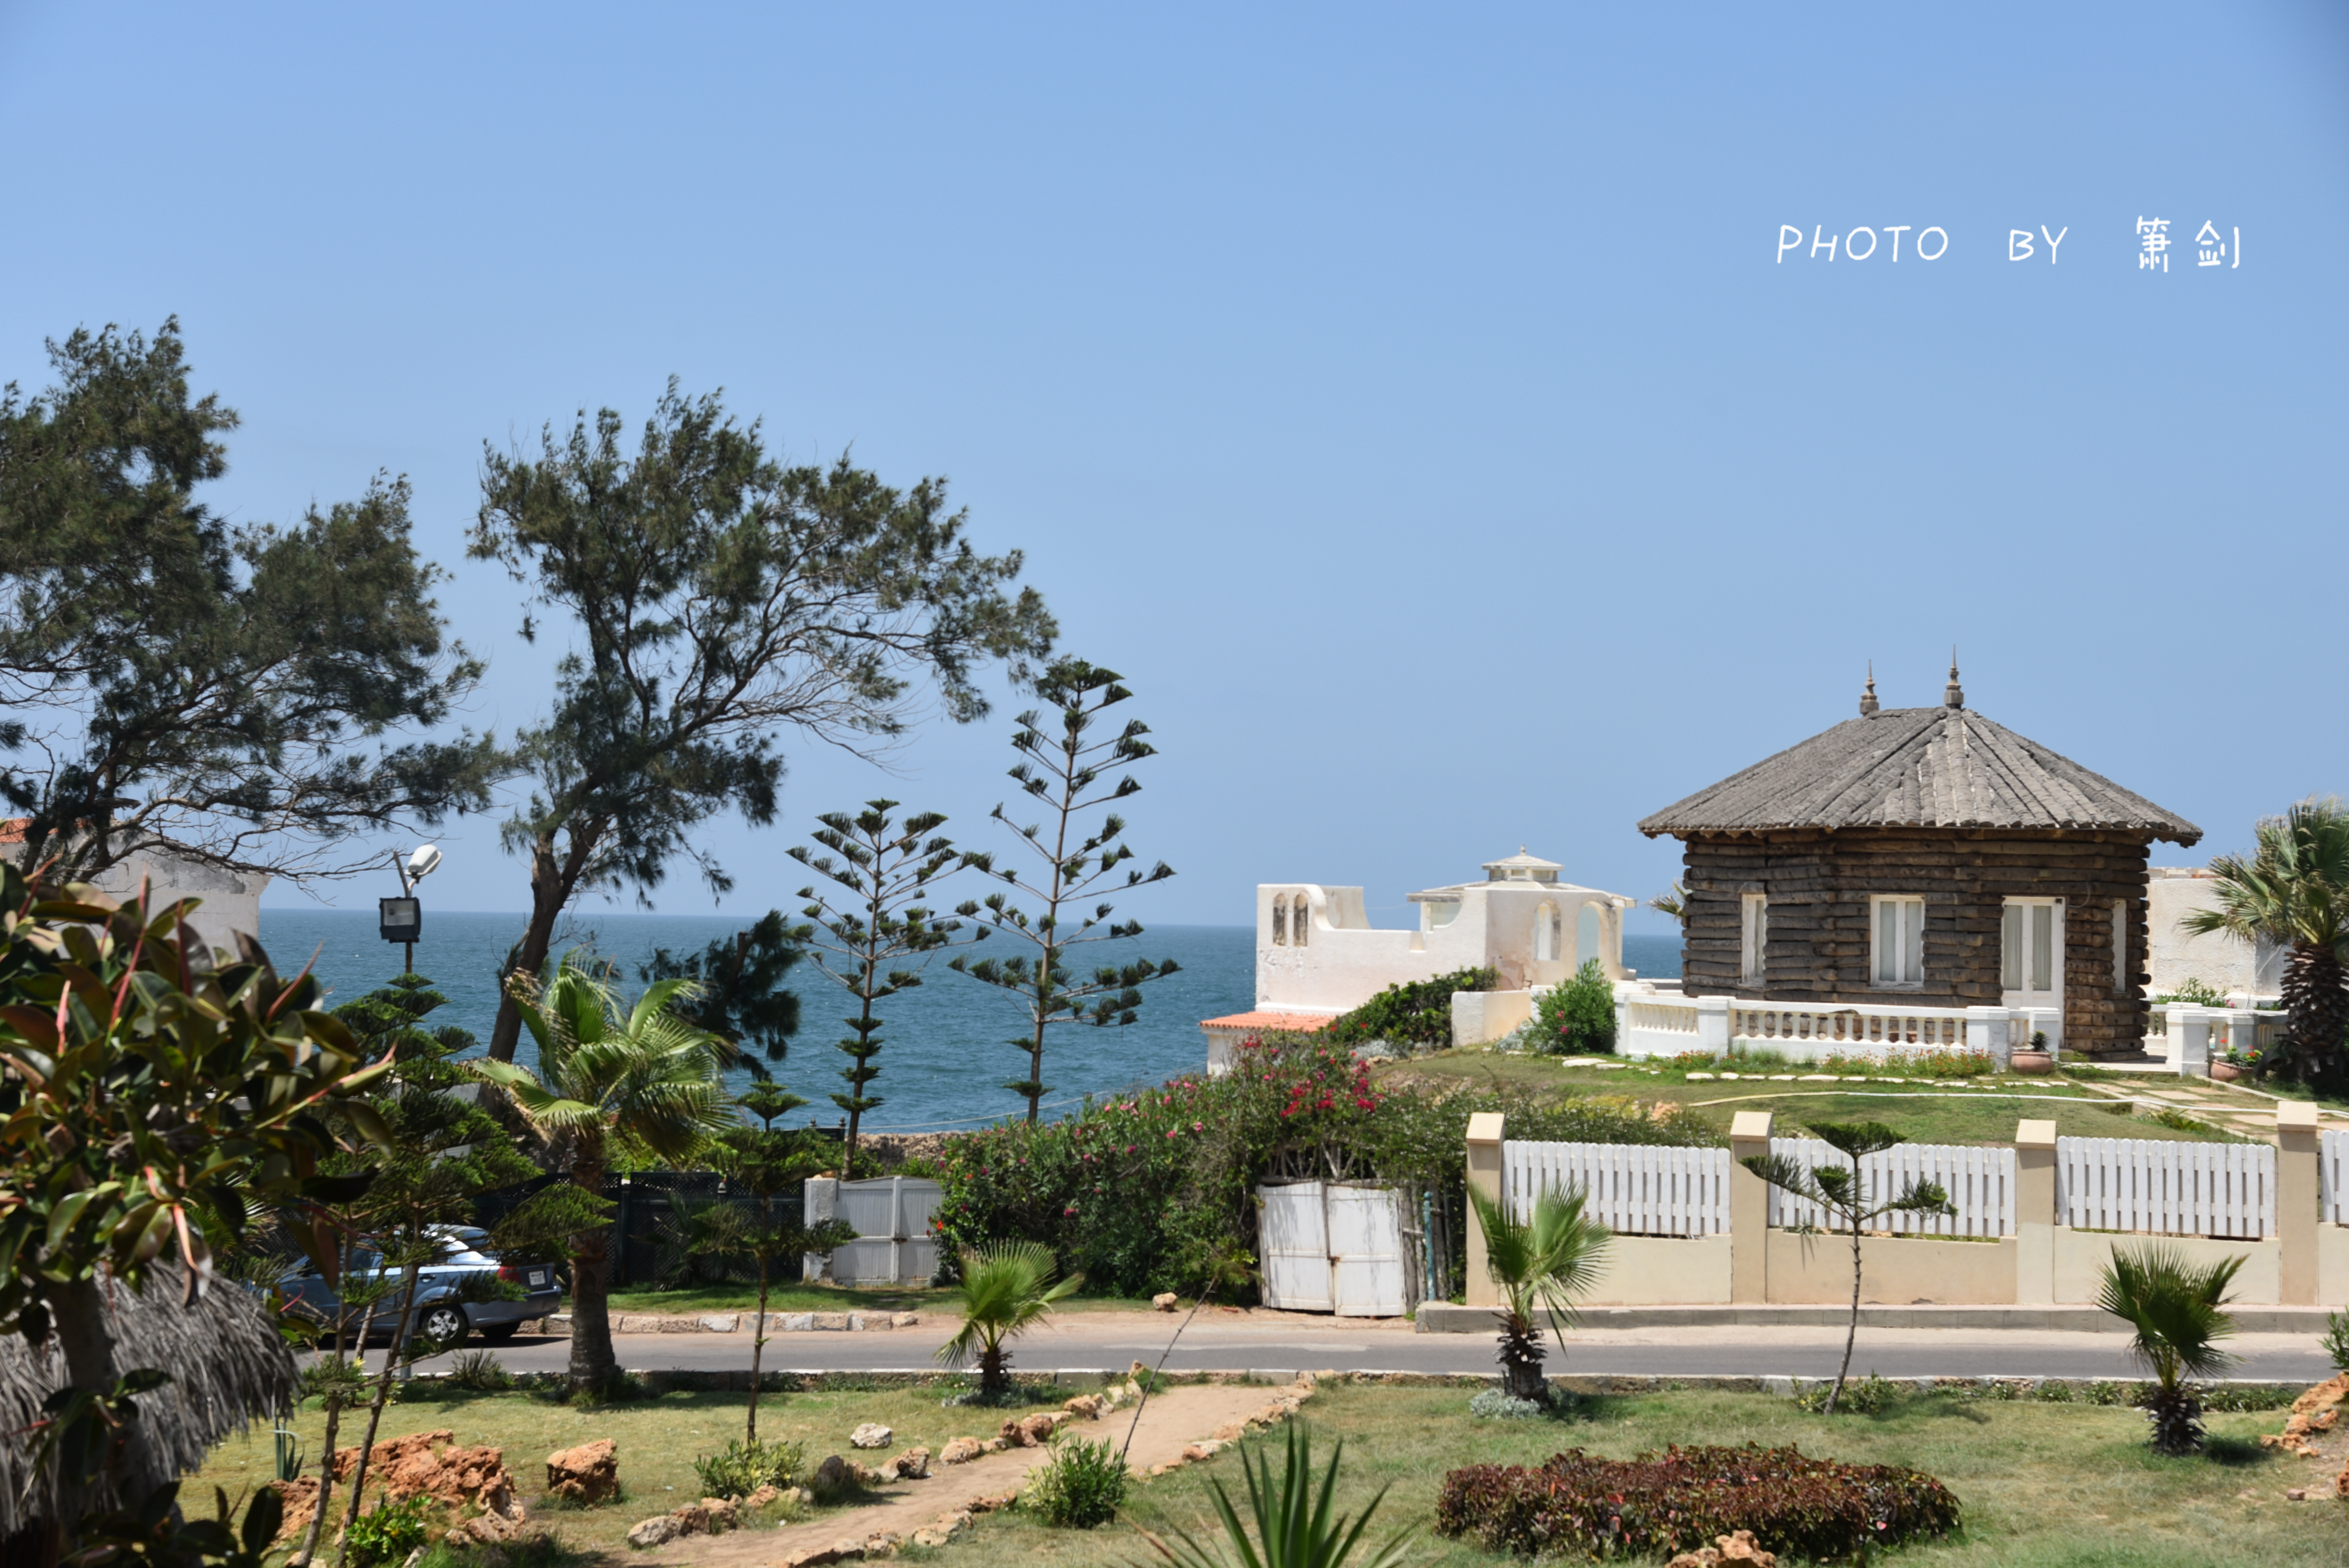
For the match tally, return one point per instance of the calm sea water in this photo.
(945, 1056)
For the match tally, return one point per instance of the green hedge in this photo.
(1144, 1192)
(1418, 1013)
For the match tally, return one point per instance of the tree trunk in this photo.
(759, 1330)
(551, 883)
(592, 1361)
(79, 1318)
(2319, 1009)
(382, 1398)
(301, 1558)
(1851, 1335)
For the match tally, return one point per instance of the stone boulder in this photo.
(589, 1473)
(914, 1464)
(432, 1465)
(1163, 1302)
(1084, 1407)
(657, 1530)
(832, 1477)
(1737, 1548)
(961, 1451)
(871, 1435)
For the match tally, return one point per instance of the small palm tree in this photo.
(1295, 1522)
(611, 1081)
(2293, 891)
(1544, 1260)
(2174, 1307)
(1007, 1288)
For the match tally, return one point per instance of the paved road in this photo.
(1076, 1344)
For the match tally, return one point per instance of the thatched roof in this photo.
(227, 1362)
(1918, 767)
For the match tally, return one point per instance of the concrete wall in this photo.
(2233, 967)
(232, 903)
(1899, 1271)
(1663, 1271)
(2081, 1256)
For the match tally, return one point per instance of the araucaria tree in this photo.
(2294, 890)
(719, 599)
(1850, 1204)
(1060, 769)
(614, 1082)
(169, 683)
(874, 915)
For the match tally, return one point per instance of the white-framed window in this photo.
(2120, 947)
(1752, 936)
(2030, 949)
(1280, 921)
(1896, 940)
(1302, 920)
(1550, 932)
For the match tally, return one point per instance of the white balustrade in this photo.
(1635, 1189)
(1980, 1183)
(2168, 1189)
(2333, 1176)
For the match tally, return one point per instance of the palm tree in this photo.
(611, 1082)
(2174, 1305)
(1546, 1259)
(1007, 1288)
(2294, 891)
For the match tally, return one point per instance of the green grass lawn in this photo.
(1923, 1111)
(835, 1298)
(2041, 1483)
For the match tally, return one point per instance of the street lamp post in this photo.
(401, 919)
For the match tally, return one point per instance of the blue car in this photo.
(439, 1313)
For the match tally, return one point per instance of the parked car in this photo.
(440, 1313)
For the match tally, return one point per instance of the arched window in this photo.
(1586, 935)
(1280, 921)
(1303, 922)
(1547, 932)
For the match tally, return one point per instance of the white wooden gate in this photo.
(1333, 1246)
(891, 1216)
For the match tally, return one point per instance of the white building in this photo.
(2229, 966)
(1318, 955)
(231, 900)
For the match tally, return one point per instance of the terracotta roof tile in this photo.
(1278, 1023)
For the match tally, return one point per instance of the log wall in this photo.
(1819, 884)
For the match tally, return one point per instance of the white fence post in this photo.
(2190, 1036)
(1713, 1025)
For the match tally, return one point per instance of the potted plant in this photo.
(2234, 1065)
(2037, 1060)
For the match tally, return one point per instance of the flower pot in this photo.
(2225, 1072)
(2032, 1064)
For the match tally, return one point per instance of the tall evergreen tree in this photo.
(884, 869)
(1060, 766)
(734, 988)
(170, 682)
(719, 600)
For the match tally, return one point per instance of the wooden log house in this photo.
(1926, 857)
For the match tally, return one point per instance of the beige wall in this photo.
(1894, 1271)
(2231, 966)
(1663, 1271)
(2081, 1256)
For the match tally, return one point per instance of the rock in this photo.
(995, 1446)
(431, 1464)
(931, 1538)
(1206, 1450)
(657, 1530)
(960, 1452)
(2297, 1494)
(586, 1474)
(1085, 1406)
(724, 1513)
(1163, 1302)
(871, 1435)
(1037, 1429)
(690, 1519)
(831, 1320)
(882, 1544)
(904, 1320)
(763, 1496)
(845, 1551)
(1231, 1431)
(1740, 1548)
(865, 1475)
(914, 1464)
(798, 1323)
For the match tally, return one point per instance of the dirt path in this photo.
(1171, 1421)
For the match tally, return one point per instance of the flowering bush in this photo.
(1418, 1013)
(1576, 1506)
(1145, 1191)
(1578, 1015)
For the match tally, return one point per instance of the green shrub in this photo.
(1146, 1193)
(741, 1467)
(1577, 1506)
(1417, 1013)
(1861, 1397)
(1080, 1487)
(2195, 993)
(1577, 1018)
(387, 1535)
(479, 1372)
(2336, 1340)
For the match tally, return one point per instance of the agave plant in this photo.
(1542, 1262)
(2174, 1307)
(1007, 1288)
(1296, 1524)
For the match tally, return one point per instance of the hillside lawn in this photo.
(2041, 1483)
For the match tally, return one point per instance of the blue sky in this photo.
(1412, 403)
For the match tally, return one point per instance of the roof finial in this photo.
(1954, 695)
(1867, 704)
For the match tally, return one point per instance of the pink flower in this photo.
(1198, 1126)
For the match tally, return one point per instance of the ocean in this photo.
(945, 1054)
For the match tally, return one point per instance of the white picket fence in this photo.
(1980, 1182)
(2333, 1176)
(2167, 1189)
(1632, 1189)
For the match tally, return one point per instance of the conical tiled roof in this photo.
(1918, 767)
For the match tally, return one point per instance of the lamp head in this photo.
(423, 862)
